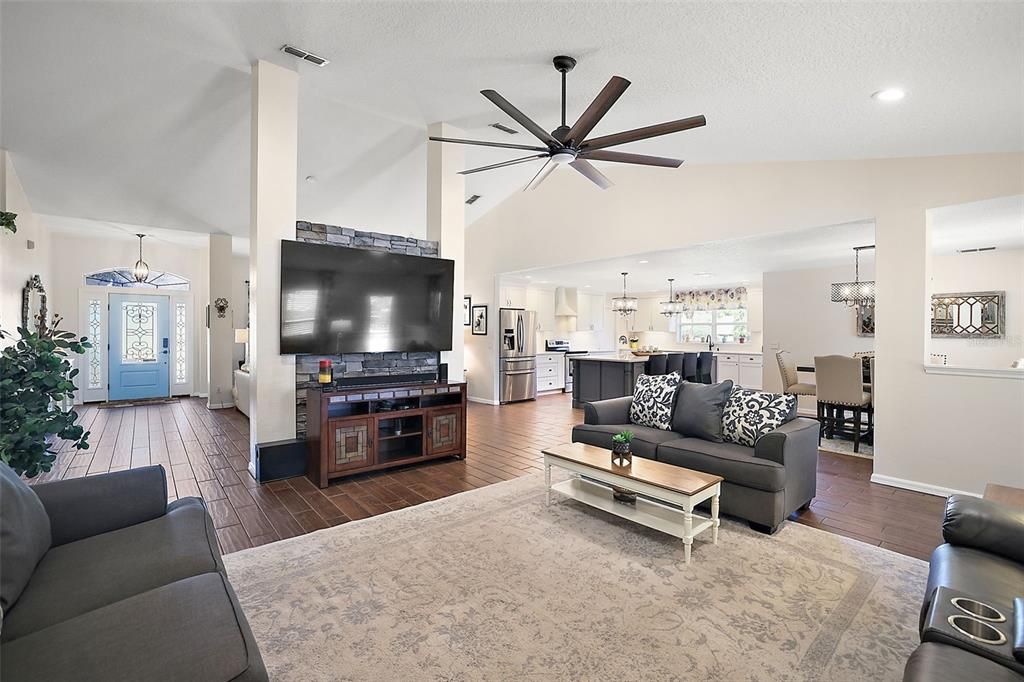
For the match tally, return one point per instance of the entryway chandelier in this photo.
(671, 307)
(855, 294)
(141, 270)
(625, 305)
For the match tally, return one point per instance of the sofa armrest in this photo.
(985, 525)
(794, 438)
(611, 411)
(82, 507)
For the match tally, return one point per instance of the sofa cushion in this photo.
(645, 439)
(750, 414)
(735, 463)
(24, 535)
(82, 576)
(653, 398)
(698, 411)
(192, 629)
(933, 662)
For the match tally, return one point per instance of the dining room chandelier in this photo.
(855, 294)
(625, 305)
(141, 270)
(671, 307)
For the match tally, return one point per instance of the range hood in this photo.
(565, 302)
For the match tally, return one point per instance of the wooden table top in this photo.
(667, 476)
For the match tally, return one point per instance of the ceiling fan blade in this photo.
(520, 118)
(481, 143)
(591, 173)
(623, 157)
(644, 133)
(503, 164)
(541, 174)
(597, 109)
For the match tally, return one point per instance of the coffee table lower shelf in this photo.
(649, 512)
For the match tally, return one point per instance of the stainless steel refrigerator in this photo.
(517, 354)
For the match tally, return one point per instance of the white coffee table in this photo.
(666, 494)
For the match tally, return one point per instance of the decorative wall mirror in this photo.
(33, 306)
(969, 315)
(866, 320)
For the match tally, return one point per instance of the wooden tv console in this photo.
(370, 428)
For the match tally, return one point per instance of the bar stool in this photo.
(690, 366)
(791, 384)
(841, 387)
(656, 364)
(705, 361)
(674, 363)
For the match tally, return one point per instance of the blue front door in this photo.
(139, 347)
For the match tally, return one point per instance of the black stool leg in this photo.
(856, 429)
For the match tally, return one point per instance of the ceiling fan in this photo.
(565, 145)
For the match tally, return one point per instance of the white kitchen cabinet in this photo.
(512, 297)
(550, 372)
(543, 302)
(749, 371)
(728, 368)
(591, 314)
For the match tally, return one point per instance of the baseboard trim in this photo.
(483, 401)
(219, 406)
(927, 488)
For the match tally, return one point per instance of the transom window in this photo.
(122, 277)
(723, 326)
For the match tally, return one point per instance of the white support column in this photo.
(220, 335)
(446, 224)
(274, 175)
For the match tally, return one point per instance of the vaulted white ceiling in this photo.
(138, 113)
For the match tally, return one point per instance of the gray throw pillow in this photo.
(653, 397)
(699, 408)
(24, 535)
(750, 414)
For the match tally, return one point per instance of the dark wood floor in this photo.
(205, 454)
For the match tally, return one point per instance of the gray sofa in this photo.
(983, 557)
(102, 579)
(763, 484)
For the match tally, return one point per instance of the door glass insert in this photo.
(138, 335)
(180, 345)
(96, 338)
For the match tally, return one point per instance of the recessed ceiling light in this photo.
(311, 179)
(543, 281)
(586, 286)
(529, 277)
(889, 95)
(644, 261)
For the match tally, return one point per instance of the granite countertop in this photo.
(617, 357)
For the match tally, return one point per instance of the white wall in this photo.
(240, 307)
(651, 207)
(17, 261)
(75, 256)
(986, 271)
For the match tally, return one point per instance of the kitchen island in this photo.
(599, 377)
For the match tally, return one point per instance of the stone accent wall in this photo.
(358, 364)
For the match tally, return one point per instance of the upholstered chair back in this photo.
(787, 369)
(840, 380)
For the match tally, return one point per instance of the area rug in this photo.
(494, 584)
(845, 447)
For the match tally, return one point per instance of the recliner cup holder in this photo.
(976, 630)
(979, 610)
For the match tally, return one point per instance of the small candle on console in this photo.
(326, 374)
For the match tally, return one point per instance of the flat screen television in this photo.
(338, 300)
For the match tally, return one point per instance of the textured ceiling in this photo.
(139, 112)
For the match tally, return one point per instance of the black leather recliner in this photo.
(983, 557)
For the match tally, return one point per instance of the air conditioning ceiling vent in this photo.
(305, 56)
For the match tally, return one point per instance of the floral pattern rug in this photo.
(495, 584)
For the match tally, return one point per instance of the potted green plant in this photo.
(35, 380)
(622, 455)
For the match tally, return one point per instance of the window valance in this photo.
(713, 299)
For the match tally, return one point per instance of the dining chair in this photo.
(705, 361)
(656, 364)
(840, 387)
(674, 363)
(790, 381)
(690, 366)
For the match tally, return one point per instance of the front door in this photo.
(139, 347)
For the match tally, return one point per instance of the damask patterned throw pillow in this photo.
(653, 397)
(750, 414)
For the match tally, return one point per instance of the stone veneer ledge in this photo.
(358, 364)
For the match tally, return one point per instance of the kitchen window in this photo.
(724, 326)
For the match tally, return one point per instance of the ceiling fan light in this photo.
(563, 157)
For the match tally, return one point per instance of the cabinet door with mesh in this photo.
(351, 444)
(444, 430)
